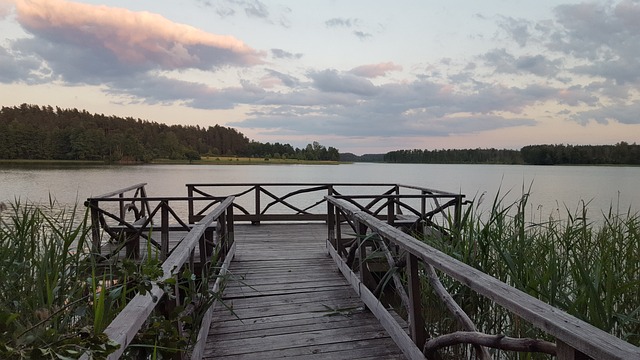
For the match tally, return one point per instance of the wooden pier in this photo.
(319, 271)
(289, 300)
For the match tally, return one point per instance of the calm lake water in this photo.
(552, 187)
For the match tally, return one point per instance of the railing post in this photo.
(391, 215)
(222, 237)
(190, 204)
(362, 251)
(338, 234)
(144, 204)
(423, 203)
(457, 213)
(416, 319)
(164, 229)
(566, 352)
(398, 209)
(121, 205)
(95, 227)
(257, 201)
(230, 227)
(331, 220)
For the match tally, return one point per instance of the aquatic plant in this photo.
(586, 266)
(56, 298)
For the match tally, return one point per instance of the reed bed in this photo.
(587, 266)
(56, 299)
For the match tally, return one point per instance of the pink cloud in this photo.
(134, 38)
(375, 70)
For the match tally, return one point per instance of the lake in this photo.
(552, 187)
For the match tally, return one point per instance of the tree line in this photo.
(47, 133)
(618, 154)
(454, 156)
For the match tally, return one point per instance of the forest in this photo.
(618, 154)
(451, 156)
(32, 132)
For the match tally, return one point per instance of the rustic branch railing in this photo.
(305, 201)
(130, 320)
(575, 339)
(158, 215)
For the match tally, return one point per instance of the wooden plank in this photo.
(341, 350)
(287, 341)
(250, 314)
(299, 306)
(299, 326)
(295, 324)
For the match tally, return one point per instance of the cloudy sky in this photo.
(365, 76)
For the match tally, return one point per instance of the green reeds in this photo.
(56, 298)
(586, 266)
(44, 296)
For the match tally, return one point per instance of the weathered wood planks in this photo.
(289, 300)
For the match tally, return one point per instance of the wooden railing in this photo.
(130, 320)
(575, 339)
(305, 201)
(152, 216)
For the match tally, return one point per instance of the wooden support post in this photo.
(121, 206)
(391, 215)
(416, 319)
(338, 234)
(331, 224)
(398, 209)
(95, 228)
(457, 213)
(144, 204)
(362, 251)
(423, 203)
(192, 219)
(257, 201)
(566, 352)
(164, 229)
(230, 228)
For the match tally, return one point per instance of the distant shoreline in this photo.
(218, 160)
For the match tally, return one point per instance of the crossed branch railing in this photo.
(418, 262)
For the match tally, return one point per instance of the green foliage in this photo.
(453, 156)
(56, 300)
(45, 298)
(30, 132)
(619, 154)
(587, 268)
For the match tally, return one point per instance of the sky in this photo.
(364, 76)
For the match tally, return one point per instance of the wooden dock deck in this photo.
(290, 292)
(290, 300)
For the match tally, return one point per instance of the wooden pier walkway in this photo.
(299, 263)
(290, 300)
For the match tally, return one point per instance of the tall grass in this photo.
(56, 299)
(586, 266)
(44, 292)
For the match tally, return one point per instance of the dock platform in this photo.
(286, 298)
